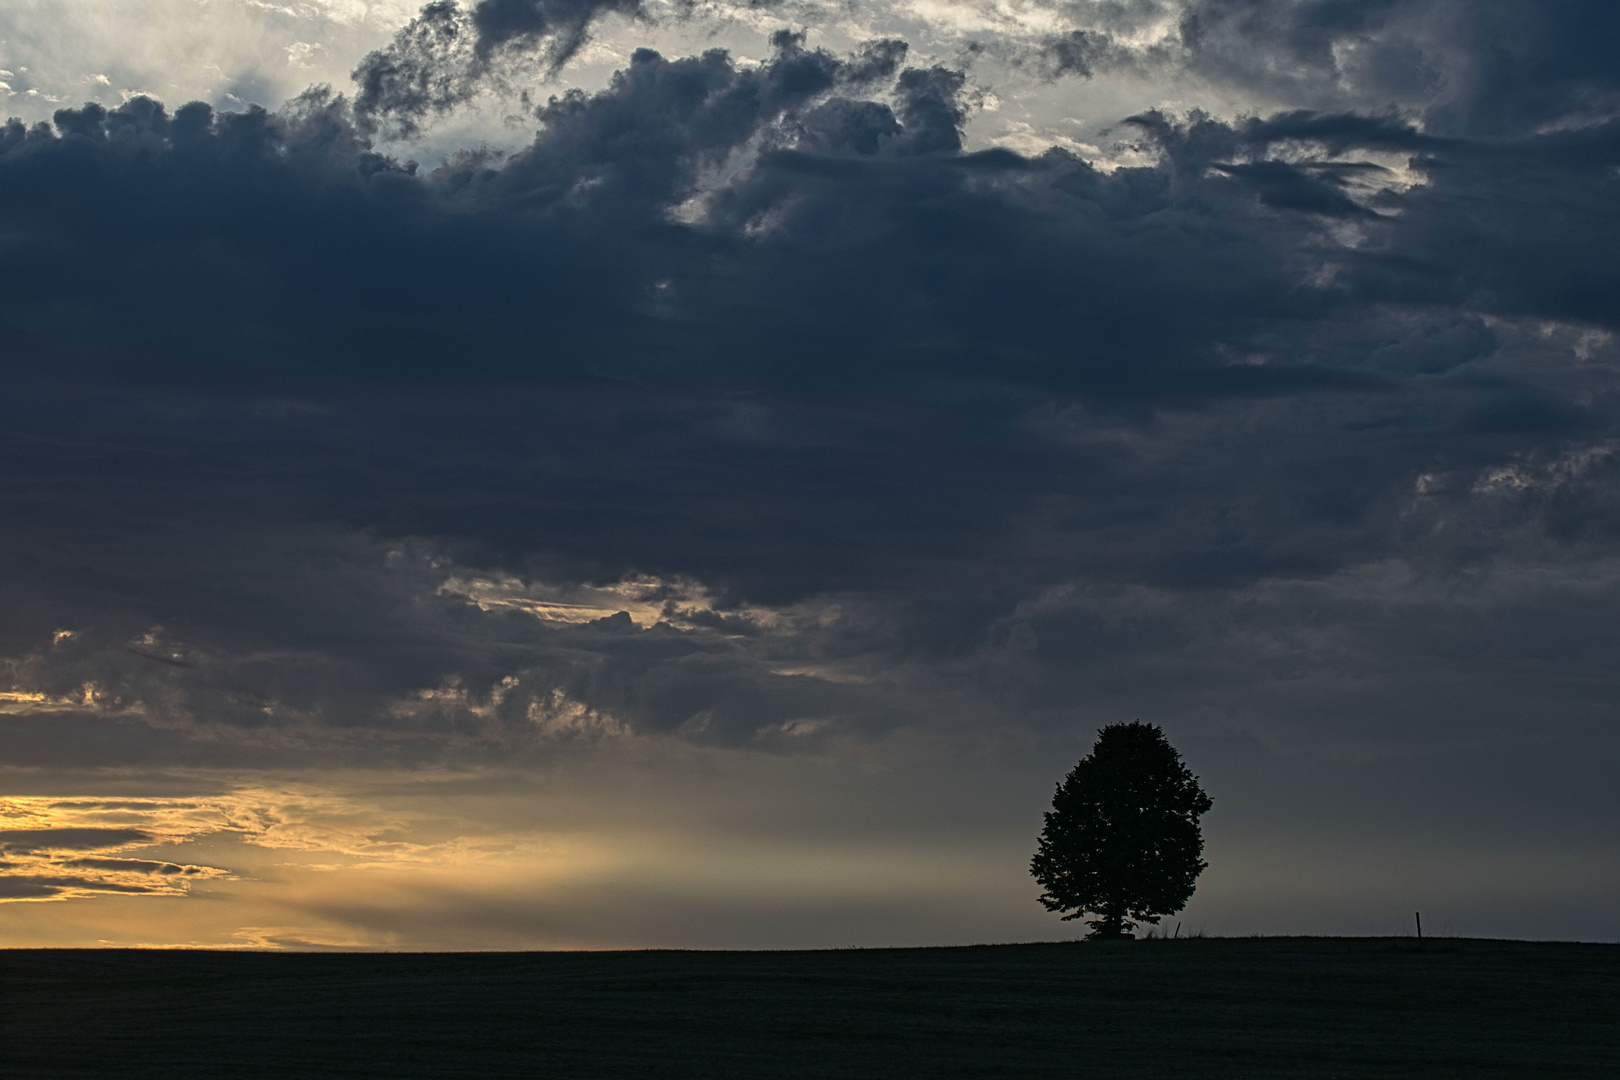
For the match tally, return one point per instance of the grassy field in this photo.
(1255, 1007)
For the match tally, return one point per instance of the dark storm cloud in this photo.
(1485, 67)
(139, 866)
(275, 399)
(432, 64)
(505, 22)
(444, 55)
(26, 888)
(71, 839)
(42, 886)
(1082, 53)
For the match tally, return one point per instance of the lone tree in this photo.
(1122, 837)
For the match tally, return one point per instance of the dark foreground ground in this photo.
(1259, 1007)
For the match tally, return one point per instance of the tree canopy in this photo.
(1122, 839)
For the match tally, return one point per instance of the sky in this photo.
(642, 473)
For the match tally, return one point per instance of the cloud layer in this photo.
(751, 405)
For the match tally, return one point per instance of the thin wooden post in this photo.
(1418, 915)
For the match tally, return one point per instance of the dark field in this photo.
(1264, 1007)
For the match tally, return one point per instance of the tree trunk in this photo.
(1111, 927)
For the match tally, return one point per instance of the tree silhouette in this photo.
(1122, 837)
